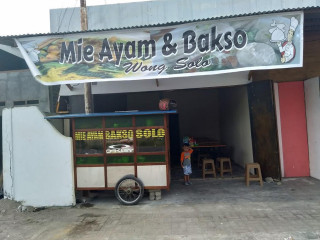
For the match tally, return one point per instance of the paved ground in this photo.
(210, 209)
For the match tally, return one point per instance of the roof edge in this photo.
(6, 39)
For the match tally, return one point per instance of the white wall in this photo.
(37, 160)
(277, 106)
(235, 123)
(312, 98)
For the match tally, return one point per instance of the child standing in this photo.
(186, 163)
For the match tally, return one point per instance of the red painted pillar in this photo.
(294, 129)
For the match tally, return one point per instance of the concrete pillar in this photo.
(7, 150)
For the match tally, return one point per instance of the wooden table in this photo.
(207, 147)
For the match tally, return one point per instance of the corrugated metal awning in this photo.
(8, 40)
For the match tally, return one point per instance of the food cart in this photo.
(122, 151)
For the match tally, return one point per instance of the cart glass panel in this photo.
(119, 122)
(89, 142)
(120, 159)
(150, 140)
(119, 141)
(88, 123)
(151, 158)
(89, 160)
(149, 120)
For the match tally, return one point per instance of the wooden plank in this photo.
(89, 155)
(93, 188)
(90, 165)
(167, 147)
(135, 146)
(119, 128)
(264, 128)
(104, 151)
(88, 129)
(74, 154)
(112, 188)
(153, 163)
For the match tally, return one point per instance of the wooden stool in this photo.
(202, 156)
(221, 165)
(212, 170)
(256, 177)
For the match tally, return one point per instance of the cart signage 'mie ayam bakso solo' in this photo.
(126, 152)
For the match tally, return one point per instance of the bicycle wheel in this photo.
(129, 190)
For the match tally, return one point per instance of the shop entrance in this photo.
(216, 117)
(236, 122)
(218, 120)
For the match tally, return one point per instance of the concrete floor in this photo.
(177, 172)
(208, 209)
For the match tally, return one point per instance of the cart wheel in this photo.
(129, 190)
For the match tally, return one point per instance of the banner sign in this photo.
(200, 48)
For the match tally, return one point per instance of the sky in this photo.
(32, 16)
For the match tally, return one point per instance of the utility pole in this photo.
(87, 86)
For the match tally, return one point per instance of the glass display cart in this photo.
(122, 151)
